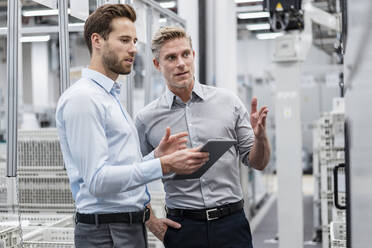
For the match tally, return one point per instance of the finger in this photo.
(263, 113)
(262, 110)
(171, 223)
(182, 147)
(254, 105)
(263, 122)
(167, 133)
(195, 149)
(199, 155)
(179, 135)
(182, 141)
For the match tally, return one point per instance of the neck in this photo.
(183, 93)
(97, 65)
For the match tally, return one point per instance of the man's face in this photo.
(176, 63)
(119, 49)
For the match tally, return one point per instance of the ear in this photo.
(96, 40)
(193, 53)
(156, 63)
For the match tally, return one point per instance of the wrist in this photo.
(156, 152)
(164, 161)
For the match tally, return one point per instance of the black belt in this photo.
(131, 217)
(209, 213)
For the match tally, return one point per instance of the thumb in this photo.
(172, 223)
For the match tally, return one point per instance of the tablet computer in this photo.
(216, 148)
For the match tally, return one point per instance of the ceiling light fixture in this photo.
(168, 5)
(258, 26)
(268, 36)
(41, 38)
(248, 1)
(43, 12)
(253, 15)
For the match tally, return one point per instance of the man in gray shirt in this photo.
(207, 211)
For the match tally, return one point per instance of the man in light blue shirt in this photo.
(100, 143)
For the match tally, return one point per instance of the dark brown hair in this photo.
(165, 34)
(100, 20)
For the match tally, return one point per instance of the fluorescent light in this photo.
(249, 8)
(248, 1)
(253, 15)
(168, 5)
(162, 20)
(43, 12)
(258, 26)
(41, 38)
(78, 24)
(268, 36)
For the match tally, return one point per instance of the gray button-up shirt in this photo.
(210, 113)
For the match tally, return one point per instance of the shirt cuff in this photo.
(151, 169)
(149, 156)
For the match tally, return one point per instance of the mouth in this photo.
(129, 60)
(181, 74)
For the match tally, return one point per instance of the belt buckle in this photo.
(209, 211)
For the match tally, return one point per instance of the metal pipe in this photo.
(148, 56)
(129, 83)
(12, 79)
(64, 49)
(156, 6)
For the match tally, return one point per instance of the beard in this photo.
(111, 60)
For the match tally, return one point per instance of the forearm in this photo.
(115, 179)
(259, 155)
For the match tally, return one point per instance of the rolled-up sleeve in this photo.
(244, 131)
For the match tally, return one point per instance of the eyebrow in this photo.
(127, 36)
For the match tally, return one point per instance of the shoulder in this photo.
(83, 95)
(222, 94)
(148, 111)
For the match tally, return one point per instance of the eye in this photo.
(186, 54)
(124, 40)
(171, 57)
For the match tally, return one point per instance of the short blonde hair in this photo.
(165, 34)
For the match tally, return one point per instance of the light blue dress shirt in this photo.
(101, 148)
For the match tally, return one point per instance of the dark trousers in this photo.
(228, 232)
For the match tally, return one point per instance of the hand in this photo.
(184, 161)
(159, 226)
(170, 144)
(258, 119)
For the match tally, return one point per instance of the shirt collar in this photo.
(105, 82)
(196, 90)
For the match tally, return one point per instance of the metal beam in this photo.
(12, 79)
(64, 49)
(148, 56)
(156, 6)
(72, 27)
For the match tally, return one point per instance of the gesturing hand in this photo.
(170, 143)
(258, 119)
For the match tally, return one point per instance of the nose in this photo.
(180, 62)
(133, 49)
